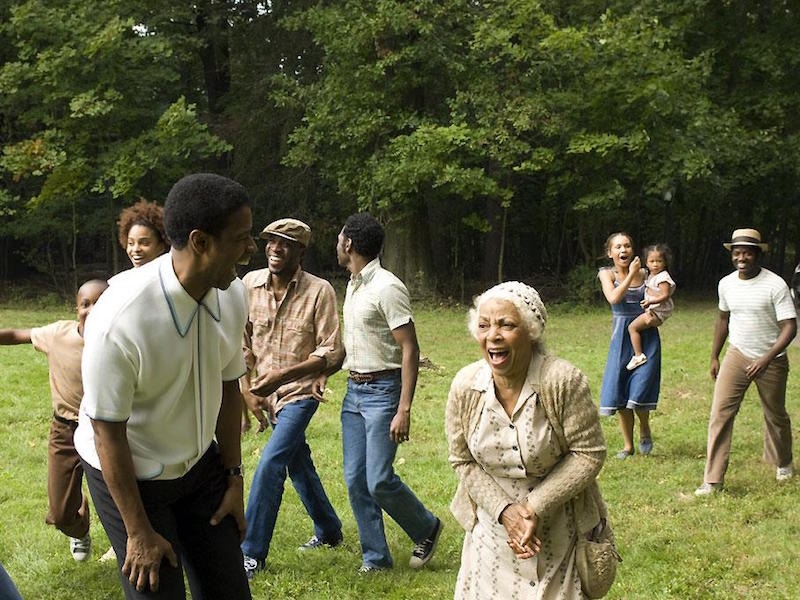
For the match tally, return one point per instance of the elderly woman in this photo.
(526, 444)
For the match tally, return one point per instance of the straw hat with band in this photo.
(746, 237)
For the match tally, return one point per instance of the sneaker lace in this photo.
(421, 548)
(80, 544)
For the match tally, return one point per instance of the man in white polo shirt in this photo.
(159, 430)
(758, 318)
(382, 355)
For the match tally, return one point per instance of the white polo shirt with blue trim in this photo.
(156, 358)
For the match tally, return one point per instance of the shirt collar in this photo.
(181, 305)
(263, 279)
(366, 274)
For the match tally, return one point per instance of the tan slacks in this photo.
(729, 390)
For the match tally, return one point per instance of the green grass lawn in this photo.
(740, 544)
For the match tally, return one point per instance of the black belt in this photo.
(65, 421)
(367, 377)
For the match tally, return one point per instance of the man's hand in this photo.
(714, 369)
(267, 384)
(232, 504)
(757, 367)
(318, 388)
(143, 557)
(256, 407)
(400, 427)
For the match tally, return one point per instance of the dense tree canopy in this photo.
(495, 139)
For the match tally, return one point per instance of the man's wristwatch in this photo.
(234, 471)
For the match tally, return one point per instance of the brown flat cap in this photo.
(290, 229)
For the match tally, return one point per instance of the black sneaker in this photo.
(252, 566)
(316, 542)
(423, 551)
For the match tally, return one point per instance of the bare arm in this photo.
(720, 335)
(615, 295)
(267, 383)
(12, 337)
(229, 439)
(146, 548)
(788, 329)
(406, 338)
(663, 294)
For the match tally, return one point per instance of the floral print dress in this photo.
(517, 451)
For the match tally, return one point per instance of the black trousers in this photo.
(180, 510)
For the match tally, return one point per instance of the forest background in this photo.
(495, 139)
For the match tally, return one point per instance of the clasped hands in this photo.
(520, 523)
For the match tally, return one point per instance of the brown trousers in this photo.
(69, 508)
(729, 390)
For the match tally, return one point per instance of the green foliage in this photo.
(507, 133)
(178, 138)
(583, 287)
(94, 110)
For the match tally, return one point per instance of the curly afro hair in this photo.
(144, 213)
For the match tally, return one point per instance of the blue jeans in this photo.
(8, 591)
(372, 485)
(287, 451)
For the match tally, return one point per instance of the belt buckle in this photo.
(361, 377)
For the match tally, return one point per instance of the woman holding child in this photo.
(525, 441)
(629, 392)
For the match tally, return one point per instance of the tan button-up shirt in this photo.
(282, 333)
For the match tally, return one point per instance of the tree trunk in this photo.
(493, 241)
(407, 253)
(215, 55)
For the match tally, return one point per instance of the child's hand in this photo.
(644, 303)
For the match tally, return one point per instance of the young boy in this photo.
(62, 342)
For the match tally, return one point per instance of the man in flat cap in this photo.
(291, 345)
(757, 316)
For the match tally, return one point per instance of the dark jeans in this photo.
(180, 510)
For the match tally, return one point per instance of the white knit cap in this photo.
(524, 297)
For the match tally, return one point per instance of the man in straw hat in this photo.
(291, 345)
(757, 315)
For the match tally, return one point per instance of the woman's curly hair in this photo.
(145, 213)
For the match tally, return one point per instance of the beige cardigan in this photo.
(564, 392)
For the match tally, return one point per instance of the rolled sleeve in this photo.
(328, 336)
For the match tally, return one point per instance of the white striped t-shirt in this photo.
(756, 305)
